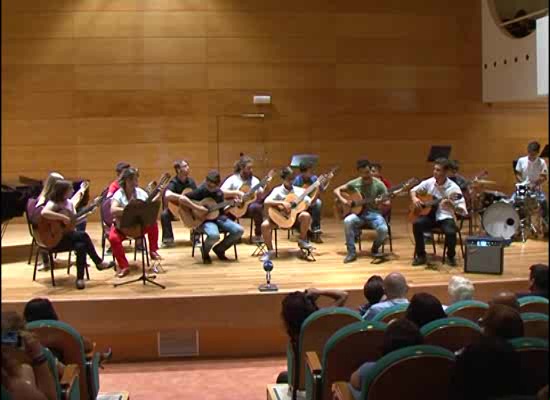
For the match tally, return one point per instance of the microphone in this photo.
(268, 286)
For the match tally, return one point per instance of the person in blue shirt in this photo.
(396, 288)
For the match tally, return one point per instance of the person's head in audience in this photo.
(296, 307)
(538, 280)
(374, 289)
(38, 309)
(424, 308)
(506, 298)
(486, 369)
(401, 333)
(460, 288)
(502, 321)
(395, 286)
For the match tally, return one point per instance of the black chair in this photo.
(439, 232)
(364, 227)
(198, 236)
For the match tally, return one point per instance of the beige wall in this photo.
(88, 83)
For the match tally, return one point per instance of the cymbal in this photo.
(484, 182)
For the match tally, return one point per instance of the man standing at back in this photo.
(396, 288)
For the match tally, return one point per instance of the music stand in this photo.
(439, 152)
(544, 152)
(297, 159)
(142, 214)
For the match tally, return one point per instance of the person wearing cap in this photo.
(210, 188)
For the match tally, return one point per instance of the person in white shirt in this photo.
(277, 199)
(532, 170)
(442, 216)
(231, 188)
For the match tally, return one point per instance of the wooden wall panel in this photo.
(151, 81)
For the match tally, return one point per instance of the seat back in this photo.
(394, 312)
(50, 358)
(348, 349)
(533, 304)
(64, 339)
(315, 332)
(5, 394)
(451, 333)
(469, 309)
(416, 372)
(535, 325)
(105, 214)
(533, 363)
(32, 214)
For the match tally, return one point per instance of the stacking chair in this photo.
(469, 309)
(64, 339)
(536, 304)
(198, 237)
(533, 363)
(365, 228)
(415, 372)
(451, 333)
(345, 351)
(535, 325)
(394, 312)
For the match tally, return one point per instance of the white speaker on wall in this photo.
(262, 99)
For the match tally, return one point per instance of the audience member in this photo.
(373, 291)
(506, 298)
(424, 308)
(538, 281)
(487, 369)
(21, 380)
(399, 334)
(396, 288)
(502, 321)
(460, 288)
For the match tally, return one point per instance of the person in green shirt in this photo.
(371, 189)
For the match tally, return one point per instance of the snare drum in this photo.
(522, 191)
(501, 220)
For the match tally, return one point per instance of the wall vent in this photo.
(178, 343)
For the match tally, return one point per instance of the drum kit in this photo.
(508, 217)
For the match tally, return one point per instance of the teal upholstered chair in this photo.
(62, 338)
(344, 352)
(315, 332)
(535, 325)
(469, 309)
(533, 363)
(415, 372)
(5, 394)
(537, 304)
(451, 333)
(67, 388)
(394, 312)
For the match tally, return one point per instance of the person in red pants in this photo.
(129, 190)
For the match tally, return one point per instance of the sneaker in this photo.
(304, 244)
(105, 265)
(375, 251)
(256, 239)
(123, 272)
(221, 255)
(108, 251)
(451, 261)
(155, 256)
(206, 259)
(268, 255)
(168, 243)
(43, 267)
(350, 258)
(419, 261)
(80, 284)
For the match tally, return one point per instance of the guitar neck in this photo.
(222, 205)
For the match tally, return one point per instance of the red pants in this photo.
(116, 237)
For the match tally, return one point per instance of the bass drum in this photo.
(500, 220)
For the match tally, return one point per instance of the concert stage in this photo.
(217, 310)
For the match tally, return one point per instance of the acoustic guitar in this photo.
(286, 220)
(193, 219)
(250, 195)
(174, 206)
(49, 232)
(317, 189)
(429, 203)
(358, 202)
(135, 231)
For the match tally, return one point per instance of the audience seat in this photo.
(469, 309)
(344, 352)
(451, 333)
(64, 339)
(534, 363)
(314, 334)
(68, 387)
(395, 312)
(536, 304)
(416, 372)
(535, 325)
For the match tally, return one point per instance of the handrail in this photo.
(512, 21)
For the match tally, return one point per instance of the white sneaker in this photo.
(304, 244)
(268, 255)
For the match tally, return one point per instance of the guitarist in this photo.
(442, 216)
(211, 188)
(370, 188)
(78, 241)
(307, 177)
(277, 199)
(173, 192)
(243, 174)
(129, 190)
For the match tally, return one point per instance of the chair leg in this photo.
(444, 252)
(433, 245)
(461, 244)
(51, 267)
(251, 225)
(36, 264)
(276, 245)
(193, 240)
(69, 263)
(389, 236)
(203, 249)
(145, 250)
(87, 272)
(359, 240)
(135, 252)
(31, 252)
(102, 245)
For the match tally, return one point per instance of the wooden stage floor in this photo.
(187, 276)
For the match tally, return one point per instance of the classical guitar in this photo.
(286, 220)
(429, 202)
(135, 231)
(49, 232)
(175, 208)
(317, 189)
(193, 219)
(358, 202)
(250, 195)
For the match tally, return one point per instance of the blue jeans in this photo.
(315, 211)
(353, 223)
(212, 230)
